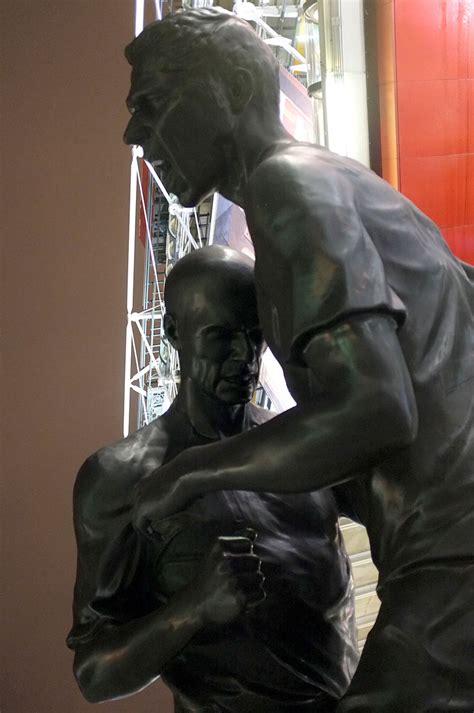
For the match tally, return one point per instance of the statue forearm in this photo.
(359, 404)
(363, 404)
(298, 451)
(123, 659)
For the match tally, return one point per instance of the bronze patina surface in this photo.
(371, 318)
(244, 601)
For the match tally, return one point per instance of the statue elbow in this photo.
(87, 675)
(401, 419)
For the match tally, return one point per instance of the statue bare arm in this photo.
(323, 285)
(360, 404)
(122, 659)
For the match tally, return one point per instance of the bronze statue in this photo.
(370, 316)
(181, 603)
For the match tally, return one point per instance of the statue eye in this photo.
(140, 106)
(144, 105)
(219, 333)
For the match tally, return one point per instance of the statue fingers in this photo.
(252, 586)
(145, 527)
(243, 563)
(247, 532)
(235, 544)
(167, 528)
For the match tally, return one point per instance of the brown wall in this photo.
(64, 220)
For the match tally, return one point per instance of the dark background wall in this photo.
(64, 235)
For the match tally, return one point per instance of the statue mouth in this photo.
(241, 379)
(173, 181)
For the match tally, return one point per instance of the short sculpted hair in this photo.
(208, 42)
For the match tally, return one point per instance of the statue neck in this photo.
(254, 141)
(211, 417)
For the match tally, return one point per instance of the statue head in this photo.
(211, 319)
(195, 75)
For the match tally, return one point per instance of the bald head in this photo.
(211, 319)
(214, 273)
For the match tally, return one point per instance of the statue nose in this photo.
(130, 135)
(243, 347)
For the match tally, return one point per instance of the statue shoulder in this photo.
(107, 478)
(300, 162)
(280, 166)
(300, 176)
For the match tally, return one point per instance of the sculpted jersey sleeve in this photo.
(315, 262)
(110, 583)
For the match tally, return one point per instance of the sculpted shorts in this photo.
(419, 657)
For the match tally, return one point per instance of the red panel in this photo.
(431, 38)
(470, 116)
(469, 212)
(461, 241)
(145, 180)
(433, 117)
(471, 44)
(437, 185)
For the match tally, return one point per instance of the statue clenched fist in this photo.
(230, 580)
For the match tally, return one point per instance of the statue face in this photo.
(179, 126)
(223, 344)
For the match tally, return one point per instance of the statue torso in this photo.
(342, 241)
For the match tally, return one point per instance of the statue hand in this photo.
(231, 579)
(158, 497)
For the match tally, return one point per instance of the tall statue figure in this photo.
(187, 603)
(370, 316)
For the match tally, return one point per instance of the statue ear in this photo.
(171, 330)
(241, 89)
